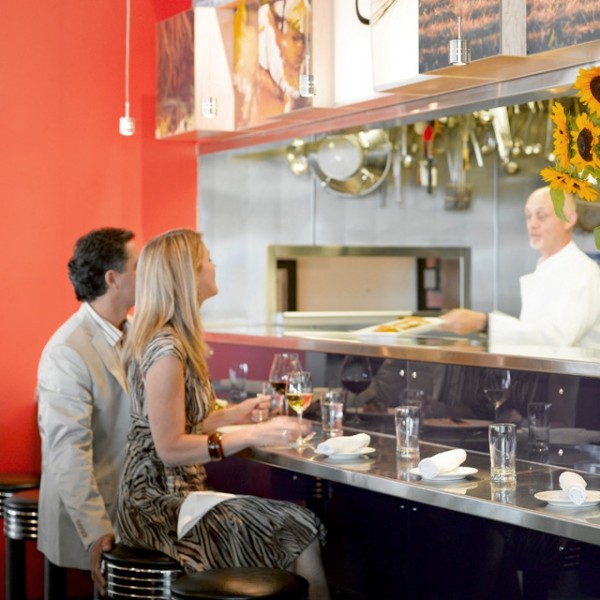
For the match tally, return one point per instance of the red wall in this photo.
(64, 169)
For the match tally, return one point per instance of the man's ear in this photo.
(572, 219)
(111, 278)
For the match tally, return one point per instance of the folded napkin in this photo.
(195, 506)
(347, 444)
(574, 486)
(444, 462)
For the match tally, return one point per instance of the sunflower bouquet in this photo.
(576, 145)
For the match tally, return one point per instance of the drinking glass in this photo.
(299, 395)
(356, 375)
(495, 386)
(283, 364)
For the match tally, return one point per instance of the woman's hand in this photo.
(244, 409)
(278, 431)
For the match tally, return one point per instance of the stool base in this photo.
(139, 573)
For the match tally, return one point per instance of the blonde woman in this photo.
(172, 432)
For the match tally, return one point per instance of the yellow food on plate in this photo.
(403, 324)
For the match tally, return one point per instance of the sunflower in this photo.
(585, 139)
(558, 180)
(588, 84)
(561, 135)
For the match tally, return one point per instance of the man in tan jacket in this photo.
(83, 407)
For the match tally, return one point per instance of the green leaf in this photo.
(597, 236)
(558, 200)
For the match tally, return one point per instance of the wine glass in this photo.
(356, 375)
(495, 386)
(282, 364)
(299, 396)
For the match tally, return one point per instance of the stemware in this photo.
(282, 364)
(496, 383)
(299, 396)
(356, 375)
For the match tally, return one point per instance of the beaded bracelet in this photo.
(215, 448)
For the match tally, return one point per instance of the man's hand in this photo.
(102, 544)
(463, 321)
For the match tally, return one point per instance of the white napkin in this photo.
(444, 462)
(195, 506)
(344, 444)
(574, 486)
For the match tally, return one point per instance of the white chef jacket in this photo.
(560, 304)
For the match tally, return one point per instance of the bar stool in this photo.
(20, 525)
(15, 482)
(241, 583)
(139, 573)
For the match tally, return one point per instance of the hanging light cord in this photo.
(127, 44)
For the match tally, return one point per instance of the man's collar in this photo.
(112, 333)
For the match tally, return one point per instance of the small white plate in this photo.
(459, 473)
(362, 453)
(371, 333)
(560, 499)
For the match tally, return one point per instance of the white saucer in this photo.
(359, 454)
(459, 473)
(560, 499)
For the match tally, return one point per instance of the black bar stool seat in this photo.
(241, 583)
(11, 483)
(139, 573)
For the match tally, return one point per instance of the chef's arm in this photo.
(463, 321)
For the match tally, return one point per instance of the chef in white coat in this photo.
(560, 300)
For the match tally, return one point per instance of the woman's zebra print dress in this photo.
(244, 531)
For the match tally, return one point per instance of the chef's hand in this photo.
(463, 321)
(102, 544)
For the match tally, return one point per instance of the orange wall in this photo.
(64, 169)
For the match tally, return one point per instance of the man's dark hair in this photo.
(94, 254)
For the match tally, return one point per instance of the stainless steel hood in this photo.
(488, 83)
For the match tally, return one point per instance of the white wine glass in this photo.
(496, 383)
(299, 396)
(282, 364)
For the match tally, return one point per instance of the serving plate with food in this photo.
(411, 325)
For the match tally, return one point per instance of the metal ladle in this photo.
(503, 138)
(406, 158)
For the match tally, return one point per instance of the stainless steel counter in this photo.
(472, 351)
(475, 495)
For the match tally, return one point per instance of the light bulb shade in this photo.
(209, 107)
(127, 125)
(306, 85)
(459, 53)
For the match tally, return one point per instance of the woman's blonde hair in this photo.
(166, 296)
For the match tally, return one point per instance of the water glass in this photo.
(238, 374)
(262, 413)
(538, 415)
(503, 451)
(407, 430)
(332, 413)
(414, 397)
